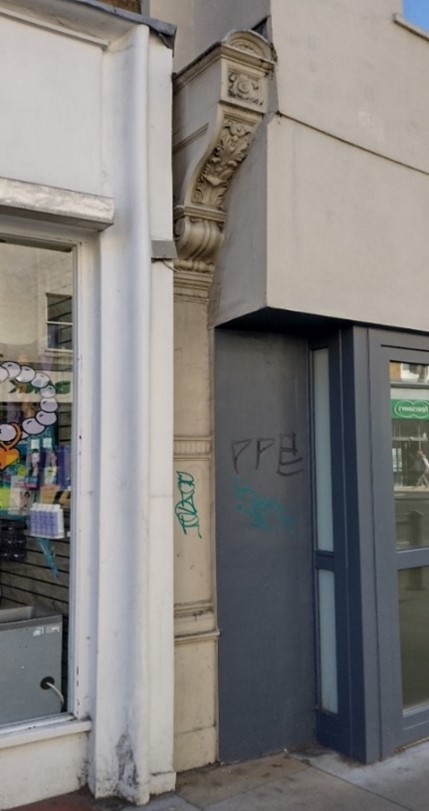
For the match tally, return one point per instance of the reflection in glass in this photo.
(327, 641)
(35, 477)
(322, 450)
(413, 586)
(409, 410)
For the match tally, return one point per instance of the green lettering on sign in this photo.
(410, 409)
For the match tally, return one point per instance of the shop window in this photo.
(36, 394)
(59, 324)
(417, 12)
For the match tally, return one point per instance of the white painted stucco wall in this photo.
(200, 23)
(347, 174)
(343, 170)
(87, 101)
(353, 229)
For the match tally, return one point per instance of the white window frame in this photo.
(84, 512)
(56, 350)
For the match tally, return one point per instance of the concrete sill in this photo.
(42, 730)
(51, 204)
(415, 29)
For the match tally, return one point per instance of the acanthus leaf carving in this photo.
(230, 150)
(235, 110)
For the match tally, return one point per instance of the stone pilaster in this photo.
(219, 104)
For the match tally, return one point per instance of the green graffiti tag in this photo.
(262, 513)
(186, 511)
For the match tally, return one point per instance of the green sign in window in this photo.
(410, 409)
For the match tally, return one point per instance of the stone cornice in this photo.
(232, 81)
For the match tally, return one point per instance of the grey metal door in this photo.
(264, 554)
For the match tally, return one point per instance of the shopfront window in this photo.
(409, 402)
(36, 393)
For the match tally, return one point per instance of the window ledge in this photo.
(19, 735)
(415, 29)
(91, 211)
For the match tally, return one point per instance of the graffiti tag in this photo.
(287, 458)
(185, 509)
(263, 513)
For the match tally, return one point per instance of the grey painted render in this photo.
(264, 547)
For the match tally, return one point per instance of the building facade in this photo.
(295, 588)
(301, 389)
(86, 404)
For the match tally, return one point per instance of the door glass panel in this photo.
(327, 641)
(413, 587)
(409, 410)
(322, 451)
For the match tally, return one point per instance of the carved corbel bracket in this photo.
(227, 92)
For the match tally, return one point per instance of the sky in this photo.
(417, 12)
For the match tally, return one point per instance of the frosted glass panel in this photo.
(322, 450)
(327, 641)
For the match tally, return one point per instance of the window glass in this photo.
(327, 641)
(36, 390)
(413, 586)
(322, 450)
(409, 410)
(59, 333)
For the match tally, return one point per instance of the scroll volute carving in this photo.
(246, 60)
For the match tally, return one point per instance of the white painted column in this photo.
(121, 689)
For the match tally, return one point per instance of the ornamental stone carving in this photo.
(226, 91)
(198, 238)
(245, 86)
(230, 150)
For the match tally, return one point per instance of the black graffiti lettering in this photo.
(262, 445)
(237, 448)
(288, 458)
(287, 449)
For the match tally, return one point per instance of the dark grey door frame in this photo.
(354, 729)
(370, 723)
(397, 727)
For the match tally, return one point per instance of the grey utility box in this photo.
(30, 651)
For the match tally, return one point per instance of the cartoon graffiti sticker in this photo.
(25, 380)
(186, 511)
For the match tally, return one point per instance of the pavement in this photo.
(312, 780)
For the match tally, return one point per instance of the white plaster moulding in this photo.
(57, 29)
(84, 19)
(42, 731)
(52, 204)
